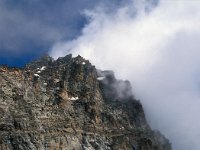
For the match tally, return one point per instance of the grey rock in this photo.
(68, 104)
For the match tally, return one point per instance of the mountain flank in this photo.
(67, 104)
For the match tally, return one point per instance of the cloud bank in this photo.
(157, 49)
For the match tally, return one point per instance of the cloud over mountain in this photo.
(29, 28)
(157, 49)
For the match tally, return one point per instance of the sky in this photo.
(153, 44)
(28, 29)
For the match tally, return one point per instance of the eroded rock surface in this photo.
(67, 104)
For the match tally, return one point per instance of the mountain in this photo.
(67, 104)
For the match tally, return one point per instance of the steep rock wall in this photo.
(67, 104)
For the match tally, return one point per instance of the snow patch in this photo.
(100, 78)
(121, 128)
(74, 98)
(43, 68)
(36, 75)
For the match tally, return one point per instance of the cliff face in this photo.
(69, 105)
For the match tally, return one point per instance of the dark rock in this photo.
(68, 104)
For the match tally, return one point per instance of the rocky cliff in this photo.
(67, 104)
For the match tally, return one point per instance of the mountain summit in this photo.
(67, 104)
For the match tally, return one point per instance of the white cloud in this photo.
(159, 53)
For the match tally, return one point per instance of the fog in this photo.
(157, 48)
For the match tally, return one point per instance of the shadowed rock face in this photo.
(69, 105)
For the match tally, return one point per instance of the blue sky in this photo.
(28, 29)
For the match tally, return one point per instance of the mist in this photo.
(156, 47)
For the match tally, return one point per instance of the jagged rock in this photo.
(67, 104)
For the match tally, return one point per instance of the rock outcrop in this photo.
(66, 104)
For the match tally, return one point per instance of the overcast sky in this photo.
(28, 28)
(154, 44)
